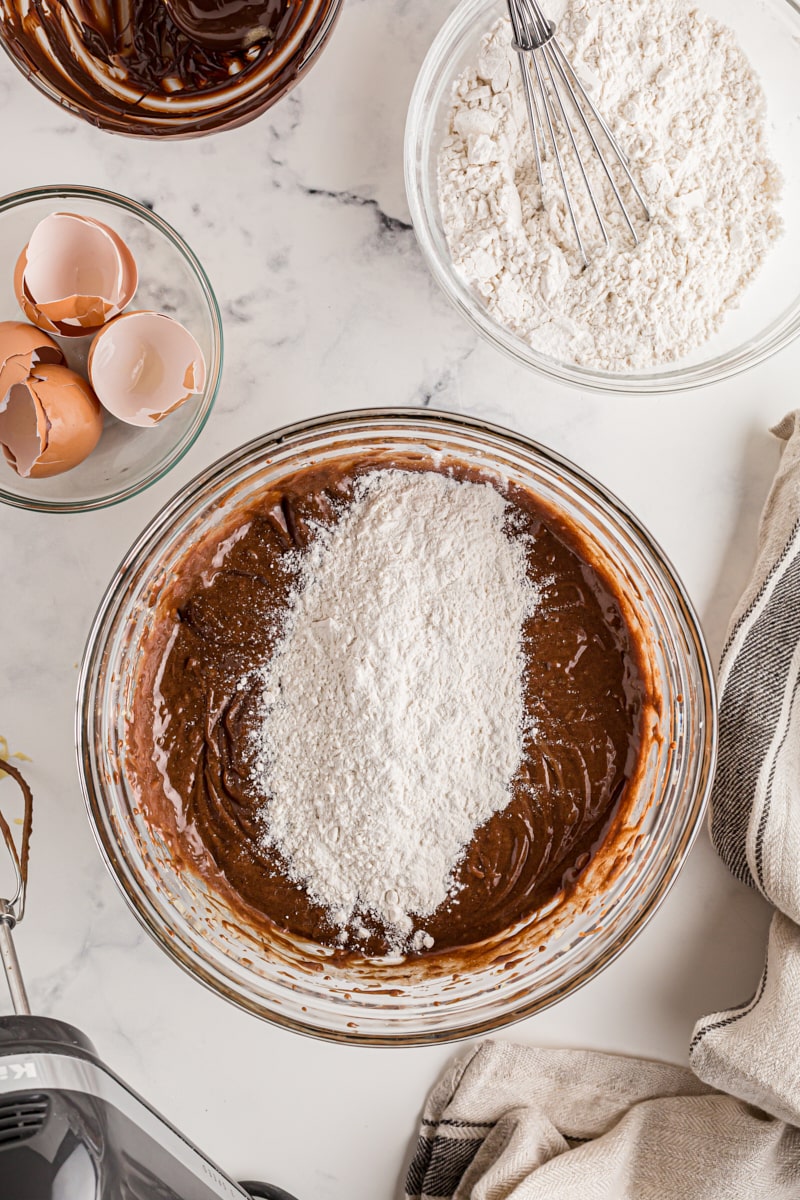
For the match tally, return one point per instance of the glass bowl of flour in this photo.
(703, 100)
(390, 998)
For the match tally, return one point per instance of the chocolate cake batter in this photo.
(192, 733)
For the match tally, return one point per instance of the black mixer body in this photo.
(70, 1129)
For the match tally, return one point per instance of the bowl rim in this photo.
(774, 337)
(213, 369)
(140, 904)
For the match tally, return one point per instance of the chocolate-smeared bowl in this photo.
(286, 973)
(126, 65)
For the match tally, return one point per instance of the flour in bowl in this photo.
(393, 706)
(688, 110)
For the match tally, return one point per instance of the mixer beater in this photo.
(69, 1126)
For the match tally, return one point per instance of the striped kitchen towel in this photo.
(561, 1124)
(753, 1051)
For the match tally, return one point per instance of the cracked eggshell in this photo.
(21, 347)
(144, 365)
(74, 275)
(49, 422)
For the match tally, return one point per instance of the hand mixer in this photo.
(563, 119)
(70, 1129)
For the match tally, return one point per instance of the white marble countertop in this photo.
(301, 221)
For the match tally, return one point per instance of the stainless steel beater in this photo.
(69, 1126)
(13, 908)
(559, 111)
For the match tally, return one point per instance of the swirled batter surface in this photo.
(192, 742)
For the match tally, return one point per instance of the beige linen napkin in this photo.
(532, 1124)
(556, 1124)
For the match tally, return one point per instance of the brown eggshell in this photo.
(21, 347)
(24, 300)
(55, 408)
(86, 313)
(144, 365)
(66, 249)
(23, 429)
(130, 271)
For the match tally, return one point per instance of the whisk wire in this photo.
(527, 87)
(606, 169)
(566, 123)
(547, 107)
(615, 146)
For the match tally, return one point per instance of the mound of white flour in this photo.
(689, 112)
(393, 706)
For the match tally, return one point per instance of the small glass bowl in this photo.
(127, 459)
(768, 315)
(297, 984)
(113, 104)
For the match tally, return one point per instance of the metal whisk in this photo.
(558, 109)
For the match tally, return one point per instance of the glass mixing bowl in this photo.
(44, 43)
(395, 1002)
(127, 459)
(768, 315)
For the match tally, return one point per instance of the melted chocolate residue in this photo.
(233, 24)
(141, 59)
(141, 38)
